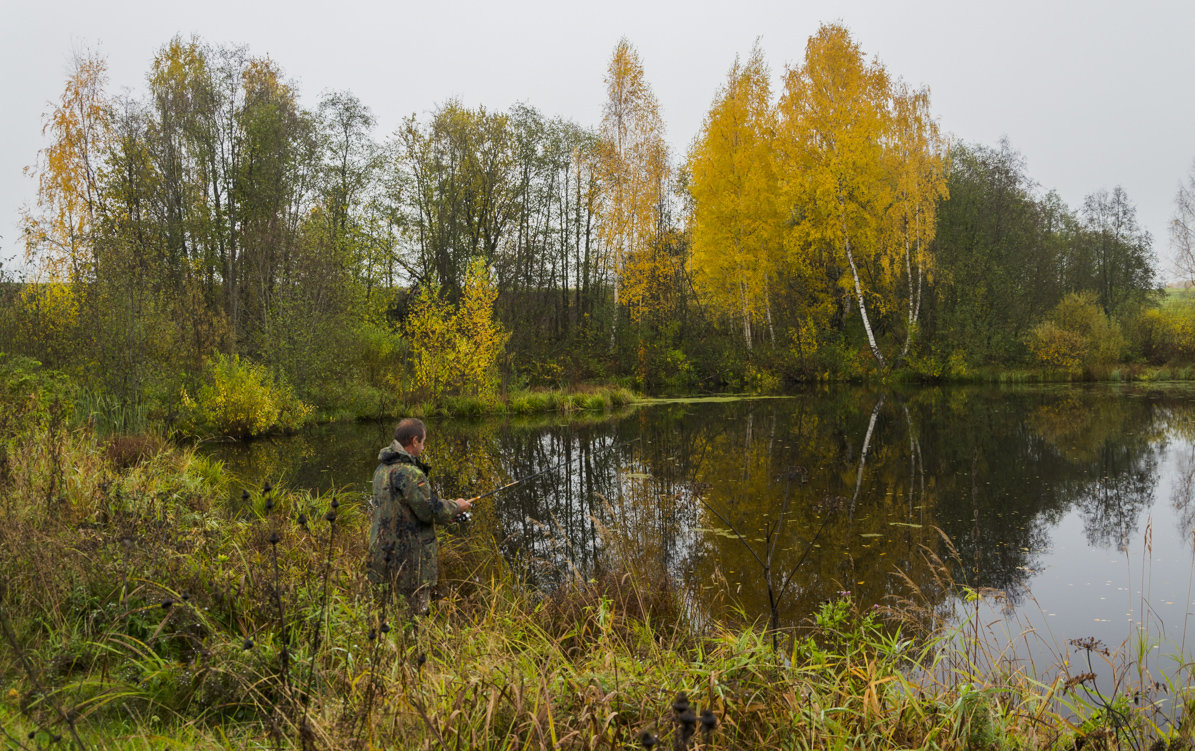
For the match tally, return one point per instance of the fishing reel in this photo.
(463, 517)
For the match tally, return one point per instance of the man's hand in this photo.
(463, 505)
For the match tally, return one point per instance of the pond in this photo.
(1077, 504)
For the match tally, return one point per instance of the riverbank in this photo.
(1120, 373)
(244, 402)
(141, 609)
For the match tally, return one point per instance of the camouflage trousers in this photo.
(413, 602)
(419, 601)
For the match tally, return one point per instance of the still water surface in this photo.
(1076, 504)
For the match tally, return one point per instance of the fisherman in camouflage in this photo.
(402, 538)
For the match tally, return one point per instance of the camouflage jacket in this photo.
(402, 535)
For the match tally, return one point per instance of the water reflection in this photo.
(846, 487)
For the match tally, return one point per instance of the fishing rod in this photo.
(465, 516)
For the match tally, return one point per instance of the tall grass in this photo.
(597, 399)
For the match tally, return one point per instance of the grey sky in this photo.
(1094, 94)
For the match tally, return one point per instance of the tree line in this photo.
(829, 230)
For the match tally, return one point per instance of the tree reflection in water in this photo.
(658, 489)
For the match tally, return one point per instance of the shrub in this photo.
(240, 399)
(381, 350)
(31, 399)
(455, 349)
(1164, 334)
(1077, 333)
(1058, 347)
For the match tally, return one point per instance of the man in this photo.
(402, 537)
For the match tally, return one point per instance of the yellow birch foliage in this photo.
(834, 118)
(429, 331)
(737, 224)
(480, 340)
(455, 349)
(918, 166)
(862, 173)
(58, 237)
(632, 169)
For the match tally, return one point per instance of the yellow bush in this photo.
(1057, 347)
(1166, 334)
(455, 350)
(1077, 333)
(241, 399)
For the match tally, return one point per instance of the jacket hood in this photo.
(394, 453)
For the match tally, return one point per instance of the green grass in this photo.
(1178, 297)
(592, 399)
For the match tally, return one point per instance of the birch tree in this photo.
(834, 118)
(632, 166)
(58, 237)
(737, 224)
(919, 176)
(1182, 227)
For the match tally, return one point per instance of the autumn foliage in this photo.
(814, 229)
(456, 348)
(828, 193)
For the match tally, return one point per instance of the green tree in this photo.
(1119, 251)
(1000, 255)
(461, 171)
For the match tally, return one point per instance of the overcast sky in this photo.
(1094, 94)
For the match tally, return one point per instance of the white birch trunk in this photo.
(767, 306)
(746, 312)
(871, 339)
(850, 257)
